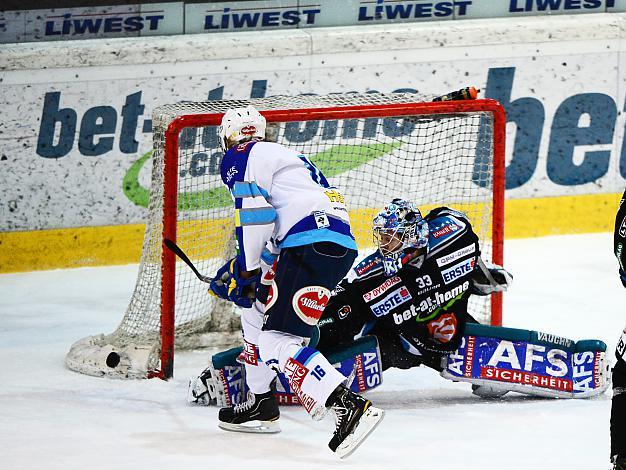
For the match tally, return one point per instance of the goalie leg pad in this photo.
(222, 383)
(508, 359)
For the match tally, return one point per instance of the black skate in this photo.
(259, 414)
(356, 419)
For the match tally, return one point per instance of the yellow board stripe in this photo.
(99, 246)
(561, 215)
(70, 247)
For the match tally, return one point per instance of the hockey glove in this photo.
(229, 285)
(488, 278)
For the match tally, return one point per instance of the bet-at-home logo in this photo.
(104, 128)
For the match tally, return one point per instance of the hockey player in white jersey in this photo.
(283, 201)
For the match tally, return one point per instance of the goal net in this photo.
(372, 147)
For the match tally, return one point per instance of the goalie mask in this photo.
(239, 125)
(398, 229)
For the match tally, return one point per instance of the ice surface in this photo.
(52, 418)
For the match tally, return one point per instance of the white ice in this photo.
(52, 418)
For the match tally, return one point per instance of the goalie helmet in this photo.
(239, 125)
(397, 228)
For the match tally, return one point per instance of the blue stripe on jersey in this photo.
(241, 253)
(306, 232)
(257, 216)
(268, 257)
(444, 229)
(304, 355)
(318, 235)
(366, 329)
(408, 347)
(309, 223)
(248, 189)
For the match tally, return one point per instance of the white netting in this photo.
(429, 159)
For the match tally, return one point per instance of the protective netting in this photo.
(431, 159)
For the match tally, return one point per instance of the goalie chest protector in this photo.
(427, 298)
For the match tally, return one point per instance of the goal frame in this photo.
(170, 181)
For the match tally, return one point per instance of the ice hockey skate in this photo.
(356, 419)
(259, 414)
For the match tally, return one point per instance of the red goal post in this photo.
(372, 147)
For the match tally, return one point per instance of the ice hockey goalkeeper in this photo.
(406, 305)
(412, 293)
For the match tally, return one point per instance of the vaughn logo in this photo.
(309, 303)
(456, 255)
(395, 298)
(458, 270)
(558, 340)
(376, 292)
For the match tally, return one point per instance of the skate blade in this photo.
(368, 422)
(258, 427)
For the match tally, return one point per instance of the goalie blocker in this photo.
(495, 360)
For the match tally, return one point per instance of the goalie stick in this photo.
(174, 248)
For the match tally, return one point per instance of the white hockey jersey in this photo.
(280, 195)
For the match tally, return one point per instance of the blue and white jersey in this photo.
(280, 195)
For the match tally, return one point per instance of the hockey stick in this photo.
(174, 248)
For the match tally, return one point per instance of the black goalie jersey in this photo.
(420, 311)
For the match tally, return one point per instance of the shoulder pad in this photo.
(369, 266)
(445, 229)
(233, 166)
(443, 211)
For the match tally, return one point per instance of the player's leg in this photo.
(304, 277)
(259, 413)
(618, 416)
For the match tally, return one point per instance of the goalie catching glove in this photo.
(228, 284)
(488, 278)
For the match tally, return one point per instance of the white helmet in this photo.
(240, 124)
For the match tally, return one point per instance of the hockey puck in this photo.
(113, 359)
